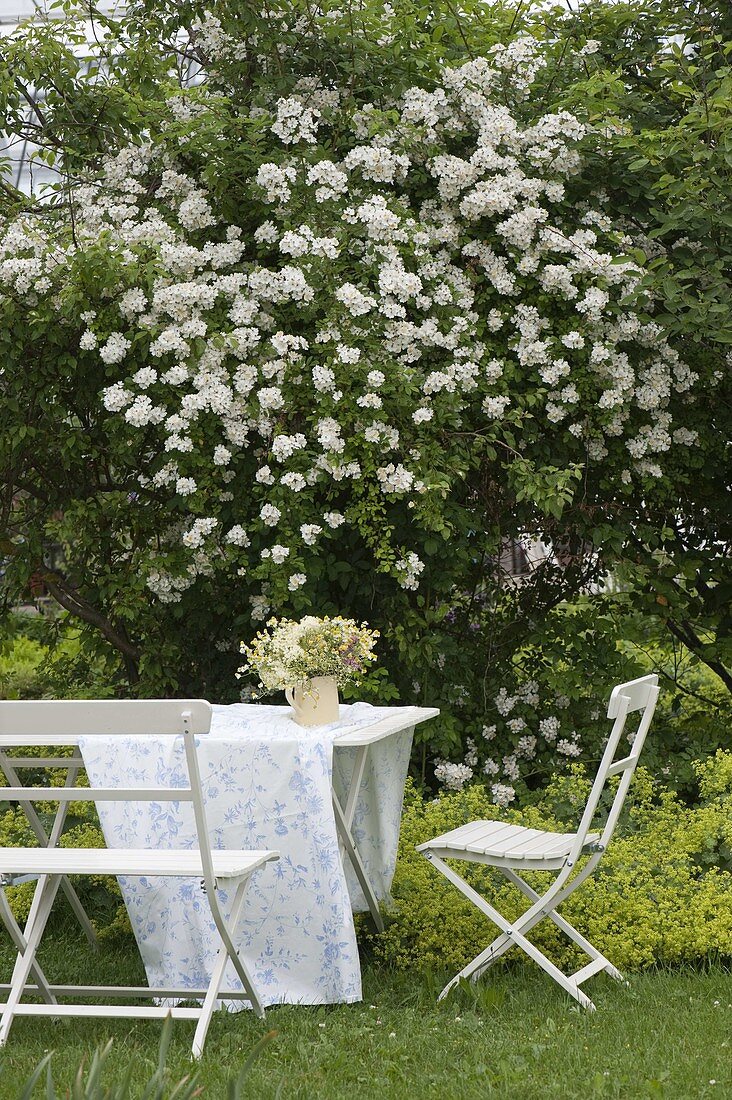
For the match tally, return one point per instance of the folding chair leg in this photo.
(544, 906)
(48, 887)
(227, 952)
(38, 895)
(512, 935)
(569, 930)
(51, 841)
(16, 935)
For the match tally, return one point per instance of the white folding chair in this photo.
(54, 723)
(512, 848)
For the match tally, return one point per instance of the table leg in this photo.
(344, 822)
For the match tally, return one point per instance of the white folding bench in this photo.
(513, 848)
(62, 723)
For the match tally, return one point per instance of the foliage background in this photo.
(663, 892)
(655, 89)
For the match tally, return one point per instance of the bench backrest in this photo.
(62, 722)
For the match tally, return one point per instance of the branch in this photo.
(686, 634)
(32, 102)
(688, 691)
(675, 678)
(459, 26)
(69, 598)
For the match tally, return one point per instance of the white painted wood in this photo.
(128, 861)
(40, 761)
(213, 992)
(359, 767)
(407, 718)
(622, 765)
(20, 944)
(637, 692)
(351, 849)
(466, 834)
(511, 848)
(129, 991)
(144, 1012)
(46, 889)
(96, 794)
(72, 764)
(362, 739)
(588, 971)
(31, 722)
(62, 723)
(502, 843)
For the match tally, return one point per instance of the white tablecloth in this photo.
(267, 784)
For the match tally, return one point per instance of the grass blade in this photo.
(34, 1078)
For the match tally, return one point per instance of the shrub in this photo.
(255, 466)
(550, 706)
(43, 658)
(20, 662)
(662, 894)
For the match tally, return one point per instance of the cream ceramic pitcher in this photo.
(314, 702)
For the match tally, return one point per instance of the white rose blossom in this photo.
(356, 323)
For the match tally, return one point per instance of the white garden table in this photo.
(317, 794)
(367, 794)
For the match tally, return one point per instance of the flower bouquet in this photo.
(310, 660)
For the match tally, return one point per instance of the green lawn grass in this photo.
(516, 1035)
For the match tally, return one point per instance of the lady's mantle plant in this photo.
(288, 652)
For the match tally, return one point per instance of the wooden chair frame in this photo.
(547, 855)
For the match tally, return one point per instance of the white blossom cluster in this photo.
(408, 570)
(356, 320)
(533, 738)
(452, 776)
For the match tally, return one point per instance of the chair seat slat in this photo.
(461, 837)
(544, 844)
(465, 833)
(492, 832)
(524, 840)
(525, 843)
(505, 841)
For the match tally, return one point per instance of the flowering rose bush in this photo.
(306, 344)
(424, 283)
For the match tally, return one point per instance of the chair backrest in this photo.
(635, 697)
(63, 722)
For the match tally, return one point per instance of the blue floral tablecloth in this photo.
(267, 784)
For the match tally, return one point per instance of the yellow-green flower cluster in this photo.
(289, 652)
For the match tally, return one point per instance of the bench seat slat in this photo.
(127, 861)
